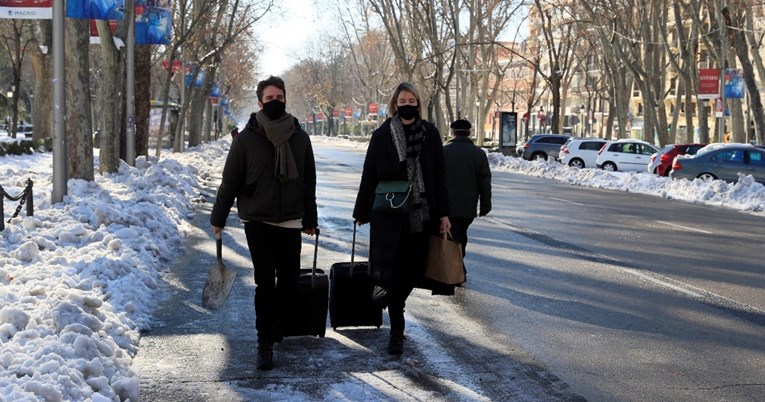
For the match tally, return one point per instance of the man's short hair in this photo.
(461, 127)
(272, 80)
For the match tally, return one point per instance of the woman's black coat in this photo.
(382, 164)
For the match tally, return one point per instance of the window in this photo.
(734, 156)
(591, 145)
(757, 158)
(645, 149)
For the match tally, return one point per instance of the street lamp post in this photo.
(12, 104)
(581, 121)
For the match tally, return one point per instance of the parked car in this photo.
(580, 152)
(24, 130)
(661, 162)
(721, 161)
(542, 146)
(625, 155)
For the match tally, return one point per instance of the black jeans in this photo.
(275, 253)
(409, 268)
(459, 230)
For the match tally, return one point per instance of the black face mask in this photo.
(407, 112)
(274, 109)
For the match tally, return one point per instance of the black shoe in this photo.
(396, 343)
(265, 356)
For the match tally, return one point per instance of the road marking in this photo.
(684, 227)
(566, 201)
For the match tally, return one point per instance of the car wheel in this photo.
(707, 176)
(610, 166)
(576, 163)
(539, 156)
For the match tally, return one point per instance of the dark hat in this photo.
(461, 125)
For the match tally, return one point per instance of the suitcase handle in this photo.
(315, 257)
(353, 252)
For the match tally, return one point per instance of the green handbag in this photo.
(393, 197)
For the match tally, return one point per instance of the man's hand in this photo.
(445, 224)
(309, 231)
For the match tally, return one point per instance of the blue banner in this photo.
(734, 84)
(153, 22)
(96, 9)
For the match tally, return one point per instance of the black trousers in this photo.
(459, 230)
(409, 268)
(275, 253)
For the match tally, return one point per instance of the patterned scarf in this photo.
(408, 148)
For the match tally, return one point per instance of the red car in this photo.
(663, 165)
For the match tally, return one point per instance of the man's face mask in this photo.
(274, 109)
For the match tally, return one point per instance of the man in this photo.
(467, 177)
(270, 171)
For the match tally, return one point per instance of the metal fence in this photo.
(25, 198)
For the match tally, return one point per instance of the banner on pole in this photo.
(709, 83)
(153, 22)
(734, 83)
(96, 9)
(26, 9)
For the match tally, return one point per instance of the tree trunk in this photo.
(107, 98)
(142, 99)
(79, 141)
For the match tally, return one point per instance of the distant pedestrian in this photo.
(271, 173)
(468, 179)
(404, 148)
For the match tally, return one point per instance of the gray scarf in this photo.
(278, 133)
(411, 154)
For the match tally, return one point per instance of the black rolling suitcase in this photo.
(350, 294)
(307, 314)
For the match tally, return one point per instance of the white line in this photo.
(684, 227)
(567, 201)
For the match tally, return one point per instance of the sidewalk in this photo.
(192, 354)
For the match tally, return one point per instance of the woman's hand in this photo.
(445, 225)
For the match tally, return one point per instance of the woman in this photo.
(408, 148)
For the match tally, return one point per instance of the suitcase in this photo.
(350, 294)
(307, 315)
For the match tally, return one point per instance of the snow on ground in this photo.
(79, 278)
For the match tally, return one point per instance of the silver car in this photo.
(721, 161)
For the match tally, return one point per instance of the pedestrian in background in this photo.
(468, 179)
(404, 147)
(271, 173)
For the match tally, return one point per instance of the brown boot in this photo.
(396, 343)
(265, 356)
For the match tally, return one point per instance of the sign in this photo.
(709, 83)
(26, 9)
(348, 112)
(734, 84)
(335, 113)
(372, 108)
(153, 22)
(176, 65)
(508, 123)
(96, 9)
(95, 38)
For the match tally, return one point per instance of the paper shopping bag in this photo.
(444, 263)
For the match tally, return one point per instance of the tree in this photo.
(79, 143)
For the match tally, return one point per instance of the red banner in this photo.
(709, 83)
(335, 113)
(176, 65)
(373, 108)
(26, 9)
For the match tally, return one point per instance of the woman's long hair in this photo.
(393, 103)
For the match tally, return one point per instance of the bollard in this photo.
(30, 199)
(26, 196)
